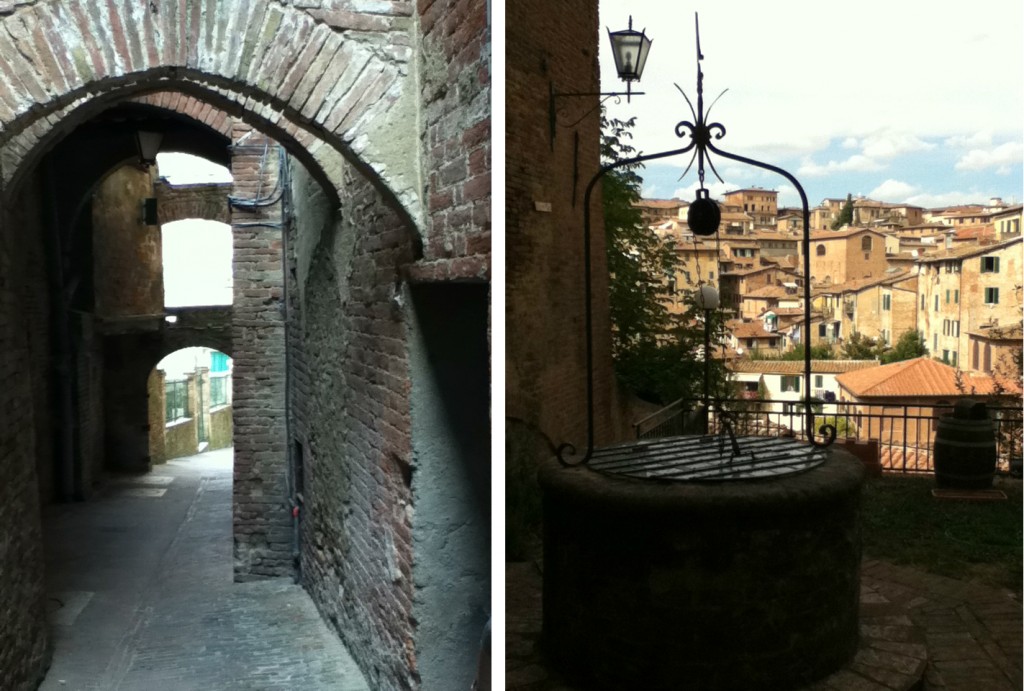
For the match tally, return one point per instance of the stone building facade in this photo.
(349, 383)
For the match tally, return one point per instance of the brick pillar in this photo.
(157, 388)
(262, 521)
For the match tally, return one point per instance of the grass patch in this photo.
(982, 541)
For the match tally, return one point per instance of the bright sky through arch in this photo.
(901, 102)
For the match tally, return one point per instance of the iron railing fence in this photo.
(905, 434)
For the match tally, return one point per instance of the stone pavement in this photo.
(142, 595)
(918, 630)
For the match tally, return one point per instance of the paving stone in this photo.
(165, 613)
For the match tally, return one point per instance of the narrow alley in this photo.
(141, 595)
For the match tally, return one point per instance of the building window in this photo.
(791, 384)
(991, 296)
(956, 297)
(990, 265)
(954, 358)
(820, 250)
(822, 330)
(936, 303)
(935, 343)
(945, 356)
(887, 302)
(220, 386)
(176, 400)
(865, 243)
(947, 296)
(922, 302)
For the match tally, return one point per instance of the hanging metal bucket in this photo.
(965, 447)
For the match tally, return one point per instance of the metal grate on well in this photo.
(708, 458)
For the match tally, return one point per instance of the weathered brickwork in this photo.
(352, 374)
(546, 376)
(275, 62)
(128, 256)
(455, 77)
(184, 104)
(183, 202)
(263, 532)
(24, 649)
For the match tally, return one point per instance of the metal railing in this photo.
(905, 434)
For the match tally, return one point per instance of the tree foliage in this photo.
(861, 347)
(909, 346)
(845, 216)
(656, 352)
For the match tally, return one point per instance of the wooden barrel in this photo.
(965, 453)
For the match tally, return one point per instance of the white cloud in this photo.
(717, 190)
(857, 162)
(892, 144)
(932, 201)
(1006, 154)
(892, 191)
(649, 191)
(966, 141)
(850, 143)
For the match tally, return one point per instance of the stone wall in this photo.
(156, 388)
(181, 202)
(221, 429)
(128, 255)
(24, 645)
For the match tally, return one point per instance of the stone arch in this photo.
(203, 201)
(282, 66)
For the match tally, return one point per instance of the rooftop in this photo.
(797, 366)
(921, 377)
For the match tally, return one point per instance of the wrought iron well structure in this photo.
(711, 562)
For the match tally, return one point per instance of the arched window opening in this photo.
(820, 250)
(190, 403)
(865, 243)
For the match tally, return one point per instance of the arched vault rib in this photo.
(271, 62)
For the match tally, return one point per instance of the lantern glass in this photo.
(149, 145)
(630, 49)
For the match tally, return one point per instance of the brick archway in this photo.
(287, 69)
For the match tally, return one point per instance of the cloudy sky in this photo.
(899, 101)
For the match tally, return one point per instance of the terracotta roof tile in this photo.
(797, 366)
(920, 377)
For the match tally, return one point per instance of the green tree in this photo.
(655, 352)
(861, 347)
(845, 216)
(909, 346)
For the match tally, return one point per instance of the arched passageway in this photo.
(385, 187)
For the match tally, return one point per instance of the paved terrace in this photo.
(142, 596)
(918, 631)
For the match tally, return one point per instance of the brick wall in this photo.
(351, 385)
(262, 517)
(24, 645)
(545, 375)
(180, 202)
(455, 67)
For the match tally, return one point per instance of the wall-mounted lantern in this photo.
(630, 49)
(148, 144)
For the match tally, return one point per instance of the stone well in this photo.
(744, 584)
